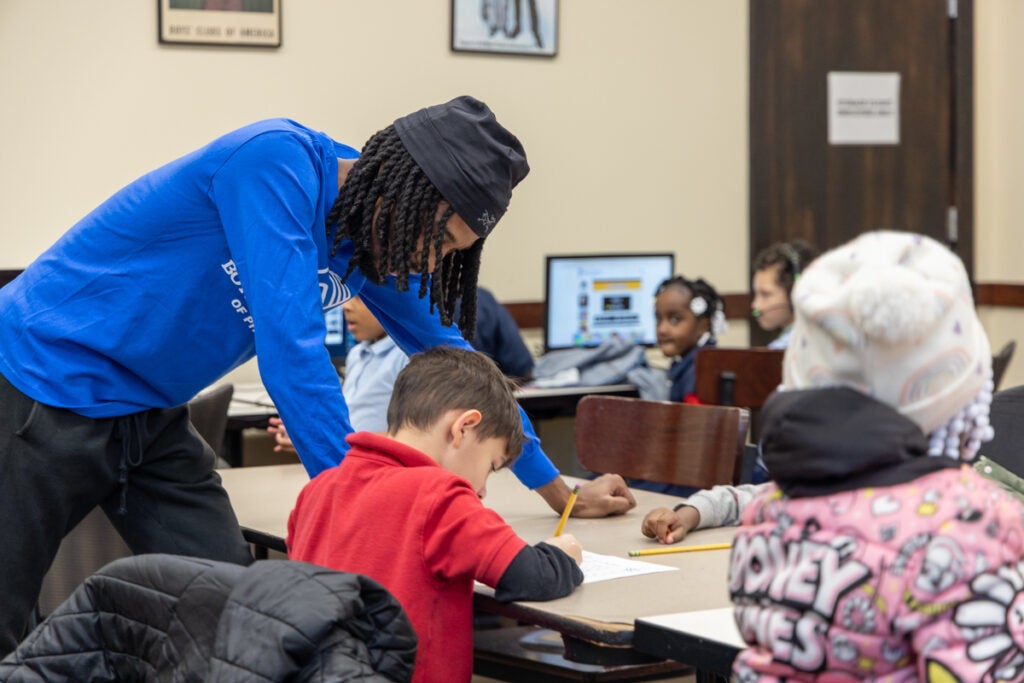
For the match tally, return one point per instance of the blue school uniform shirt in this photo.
(782, 341)
(188, 271)
(682, 374)
(370, 372)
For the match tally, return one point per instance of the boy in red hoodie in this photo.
(405, 509)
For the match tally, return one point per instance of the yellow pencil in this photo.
(679, 549)
(567, 510)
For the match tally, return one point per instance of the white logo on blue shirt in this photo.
(333, 292)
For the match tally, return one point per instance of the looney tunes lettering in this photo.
(805, 580)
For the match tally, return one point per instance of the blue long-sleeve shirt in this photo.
(192, 269)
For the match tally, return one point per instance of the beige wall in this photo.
(999, 164)
(999, 139)
(636, 131)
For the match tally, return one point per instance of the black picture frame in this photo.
(511, 27)
(205, 22)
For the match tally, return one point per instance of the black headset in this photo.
(793, 258)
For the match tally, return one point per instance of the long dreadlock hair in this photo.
(386, 173)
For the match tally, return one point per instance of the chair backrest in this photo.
(209, 414)
(1007, 417)
(1001, 360)
(752, 373)
(661, 441)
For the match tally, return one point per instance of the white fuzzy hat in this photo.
(890, 314)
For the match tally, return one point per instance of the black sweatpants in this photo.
(150, 472)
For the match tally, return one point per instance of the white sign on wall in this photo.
(863, 108)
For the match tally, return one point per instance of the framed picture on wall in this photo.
(221, 22)
(520, 27)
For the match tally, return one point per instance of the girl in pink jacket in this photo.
(878, 553)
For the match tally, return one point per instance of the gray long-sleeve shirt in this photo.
(721, 505)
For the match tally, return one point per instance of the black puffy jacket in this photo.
(170, 618)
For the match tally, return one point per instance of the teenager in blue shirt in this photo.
(184, 274)
(371, 368)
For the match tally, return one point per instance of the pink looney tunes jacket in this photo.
(869, 560)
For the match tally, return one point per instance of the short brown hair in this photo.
(446, 378)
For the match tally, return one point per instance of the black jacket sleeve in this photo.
(539, 572)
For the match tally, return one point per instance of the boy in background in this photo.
(371, 367)
(405, 509)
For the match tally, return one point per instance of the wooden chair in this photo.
(662, 441)
(737, 377)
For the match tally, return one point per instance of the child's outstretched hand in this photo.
(669, 526)
(568, 544)
(283, 444)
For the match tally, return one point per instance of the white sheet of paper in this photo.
(605, 567)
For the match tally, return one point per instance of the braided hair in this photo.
(387, 175)
(705, 302)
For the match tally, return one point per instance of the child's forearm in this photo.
(540, 572)
(722, 505)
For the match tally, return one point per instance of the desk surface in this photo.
(601, 612)
(252, 400)
(251, 407)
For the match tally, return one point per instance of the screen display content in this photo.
(339, 340)
(593, 298)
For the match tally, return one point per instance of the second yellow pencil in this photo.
(679, 549)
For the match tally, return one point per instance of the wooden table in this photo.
(251, 408)
(597, 620)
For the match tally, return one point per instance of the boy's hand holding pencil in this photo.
(568, 544)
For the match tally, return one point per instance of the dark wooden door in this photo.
(803, 186)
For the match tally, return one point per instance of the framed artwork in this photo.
(221, 22)
(519, 27)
